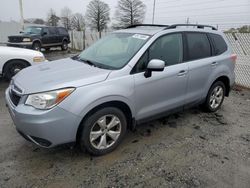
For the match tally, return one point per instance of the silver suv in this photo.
(130, 76)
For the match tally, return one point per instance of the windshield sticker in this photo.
(139, 36)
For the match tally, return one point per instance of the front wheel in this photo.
(36, 46)
(215, 97)
(13, 67)
(103, 131)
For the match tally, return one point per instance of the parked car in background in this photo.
(128, 77)
(12, 60)
(37, 37)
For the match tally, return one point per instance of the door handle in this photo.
(214, 63)
(182, 73)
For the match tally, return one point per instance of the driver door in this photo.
(165, 90)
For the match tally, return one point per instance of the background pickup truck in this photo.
(37, 37)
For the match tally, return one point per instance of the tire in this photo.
(64, 45)
(96, 144)
(13, 67)
(36, 46)
(214, 100)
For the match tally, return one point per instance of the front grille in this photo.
(15, 39)
(14, 97)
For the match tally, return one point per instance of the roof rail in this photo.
(153, 25)
(195, 25)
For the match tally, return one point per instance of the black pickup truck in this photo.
(37, 37)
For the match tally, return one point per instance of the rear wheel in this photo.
(13, 67)
(103, 131)
(36, 46)
(215, 97)
(64, 45)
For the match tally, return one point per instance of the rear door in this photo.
(53, 35)
(200, 63)
(46, 38)
(164, 90)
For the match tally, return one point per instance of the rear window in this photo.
(198, 46)
(219, 43)
(62, 31)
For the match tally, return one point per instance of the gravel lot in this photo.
(188, 149)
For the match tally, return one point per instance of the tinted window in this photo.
(52, 30)
(220, 45)
(198, 46)
(167, 48)
(62, 31)
(45, 30)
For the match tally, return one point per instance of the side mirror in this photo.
(44, 33)
(21, 32)
(154, 65)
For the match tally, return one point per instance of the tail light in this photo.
(233, 58)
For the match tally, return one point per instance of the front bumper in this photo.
(20, 44)
(46, 128)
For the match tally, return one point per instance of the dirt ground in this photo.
(188, 149)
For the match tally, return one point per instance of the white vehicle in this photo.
(12, 60)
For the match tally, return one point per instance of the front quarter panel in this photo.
(85, 98)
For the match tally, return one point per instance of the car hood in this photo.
(58, 74)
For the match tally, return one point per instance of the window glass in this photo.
(45, 30)
(115, 50)
(220, 45)
(167, 48)
(198, 46)
(62, 31)
(52, 30)
(33, 30)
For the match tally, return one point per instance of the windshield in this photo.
(33, 30)
(115, 50)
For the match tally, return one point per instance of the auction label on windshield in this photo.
(142, 37)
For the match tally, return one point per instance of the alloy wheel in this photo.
(216, 97)
(105, 132)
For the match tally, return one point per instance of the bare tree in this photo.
(129, 12)
(66, 16)
(78, 22)
(39, 21)
(52, 19)
(98, 15)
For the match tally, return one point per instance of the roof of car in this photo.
(150, 29)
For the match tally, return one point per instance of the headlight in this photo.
(48, 100)
(26, 40)
(38, 59)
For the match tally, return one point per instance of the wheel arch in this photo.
(226, 82)
(117, 104)
(10, 60)
(37, 40)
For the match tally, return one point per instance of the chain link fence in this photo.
(240, 43)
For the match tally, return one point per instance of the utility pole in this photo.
(21, 14)
(153, 20)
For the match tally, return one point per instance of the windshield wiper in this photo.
(91, 63)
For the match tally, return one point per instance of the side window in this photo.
(52, 30)
(168, 48)
(198, 46)
(220, 45)
(45, 30)
(62, 31)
